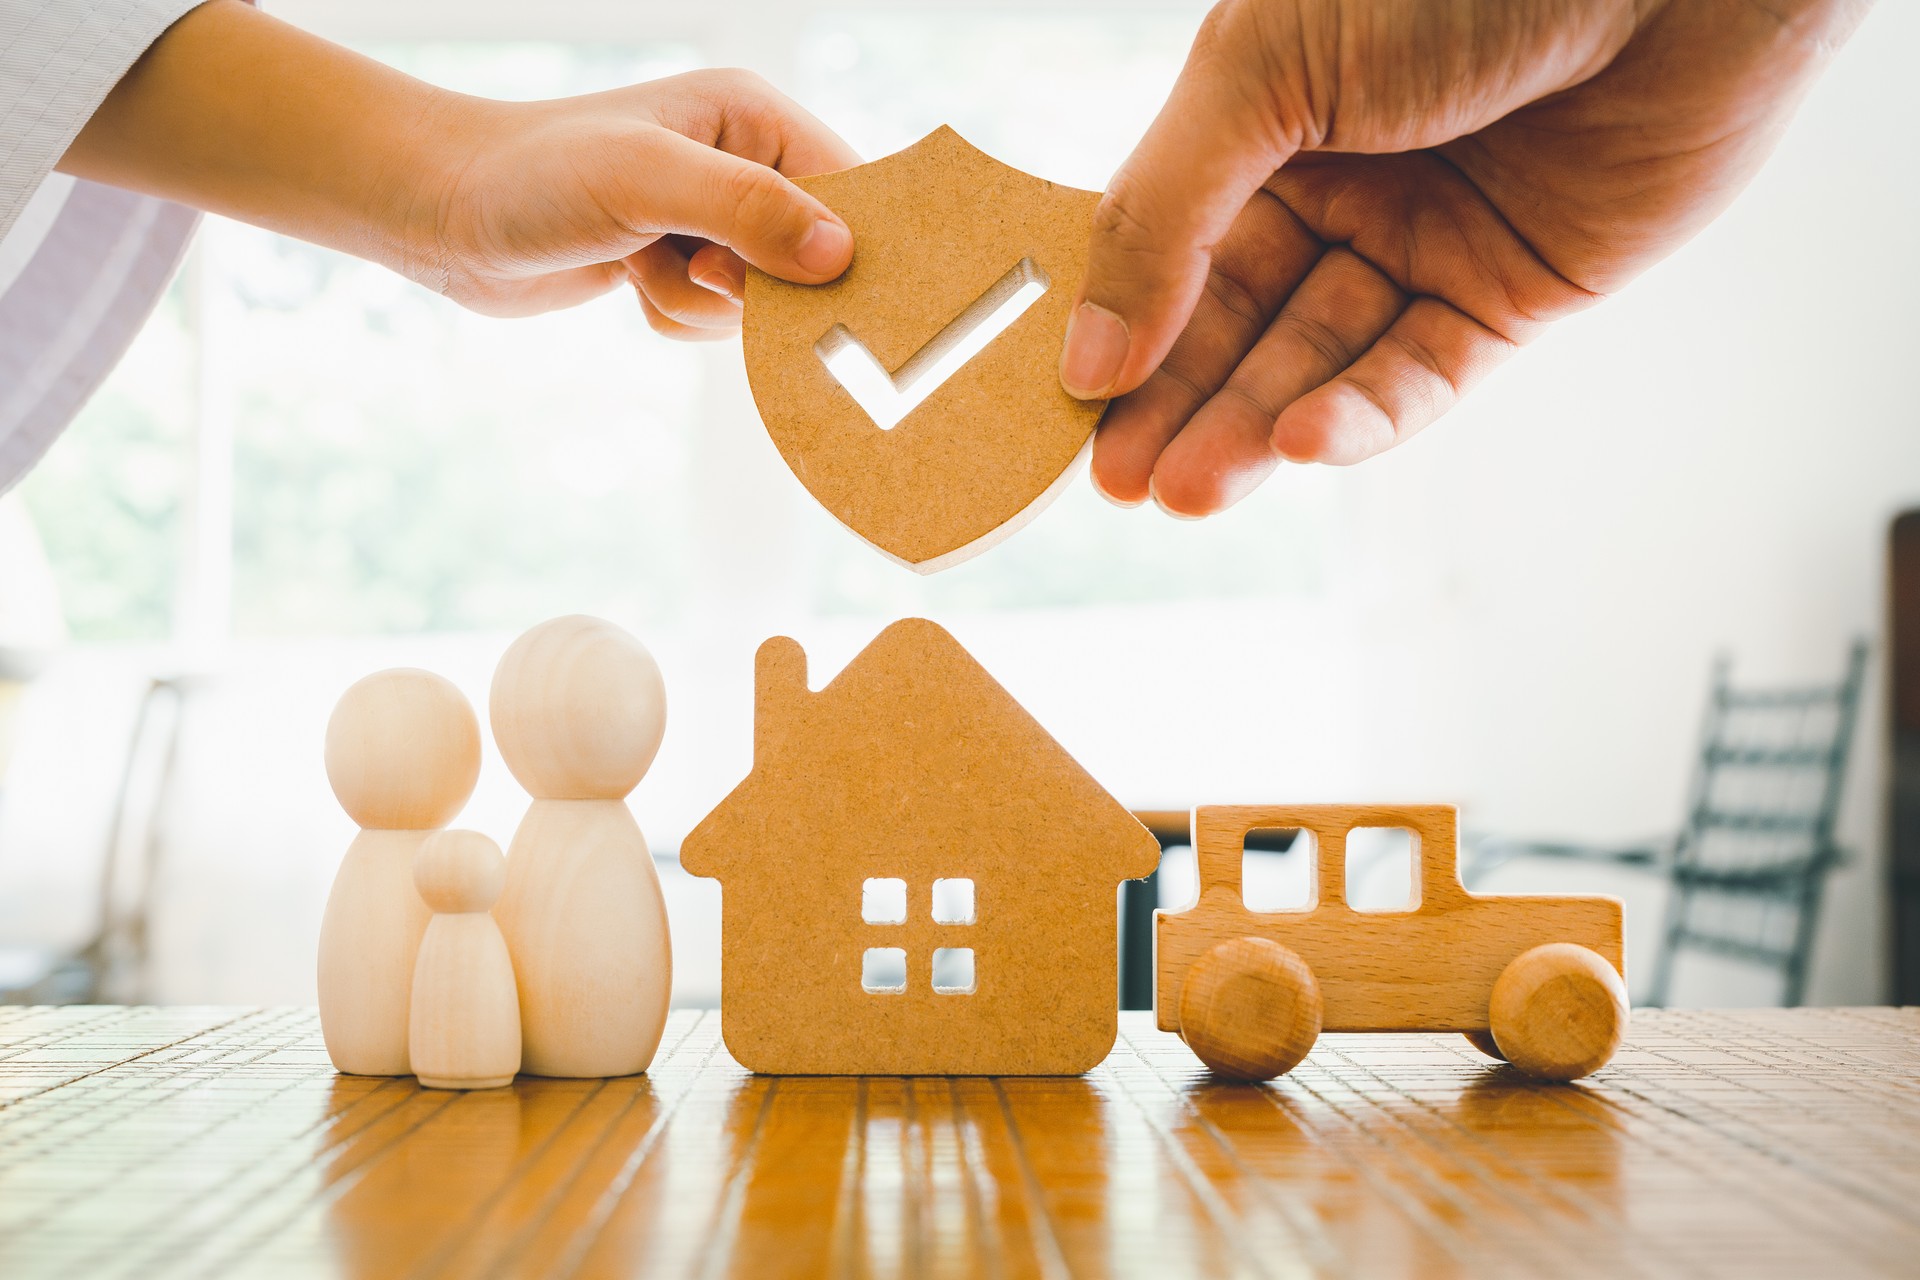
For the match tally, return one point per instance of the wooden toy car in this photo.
(1536, 980)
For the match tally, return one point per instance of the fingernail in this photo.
(826, 248)
(1096, 348)
(1153, 491)
(1102, 491)
(717, 282)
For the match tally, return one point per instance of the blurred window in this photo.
(304, 444)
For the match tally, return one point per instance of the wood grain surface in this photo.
(190, 1142)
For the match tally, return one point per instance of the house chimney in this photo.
(779, 681)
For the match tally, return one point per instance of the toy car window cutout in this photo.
(1278, 869)
(953, 971)
(953, 901)
(883, 971)
(883, 901)
(1383, 869)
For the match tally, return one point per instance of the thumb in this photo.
(747, 207)
(1154, 231)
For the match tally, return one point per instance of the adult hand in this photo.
(1350, 210)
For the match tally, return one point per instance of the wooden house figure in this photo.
(916, 878)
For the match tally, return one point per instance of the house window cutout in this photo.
(953, 902)
(889, 397)
(883, 901)
(883, 971)
(953, 971)
(1383, 869)
(1279, 870)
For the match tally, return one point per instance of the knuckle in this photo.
(1215, 38)
(1262, 58)
(1257, 400)
(1191, 388)
(1438, 387)
(723, 84)
(1137, 241)
(1123, 215)
(1113, 215)
(1373, 395)
(741, 82)
(762, 209)
(1317, 338)
(1230, 49)
(762, 120)
(1235, 297)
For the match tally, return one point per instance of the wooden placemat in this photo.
(190, 1142)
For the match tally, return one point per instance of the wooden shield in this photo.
(942, 234)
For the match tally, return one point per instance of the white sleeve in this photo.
(81, 265)
(58, 60)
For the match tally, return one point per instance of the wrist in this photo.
(239, 114)
(417, 189)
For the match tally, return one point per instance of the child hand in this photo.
(510, 208)
(667, 185)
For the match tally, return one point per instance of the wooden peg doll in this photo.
(465, 1017)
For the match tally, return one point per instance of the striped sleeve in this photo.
(58, 60)
(81, 265)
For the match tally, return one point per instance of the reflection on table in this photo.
(219, 1142)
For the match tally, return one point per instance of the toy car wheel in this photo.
(1250, 1009)
(1558, 1011)
(1484, 1042)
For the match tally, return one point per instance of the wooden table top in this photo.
(188, 1141)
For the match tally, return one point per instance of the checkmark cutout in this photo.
(889, 397)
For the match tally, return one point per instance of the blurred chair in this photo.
(111, 965)
(1746, 872)
(1902, 781)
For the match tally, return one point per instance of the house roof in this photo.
(911, 745)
